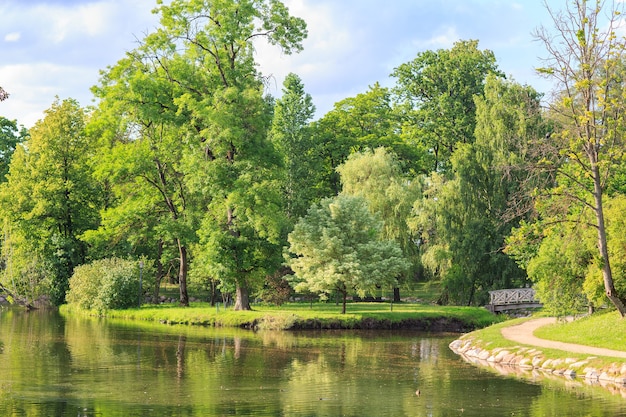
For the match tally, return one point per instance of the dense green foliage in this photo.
(111, 283)
(454, 175)
(10, 137)
(48, 201)
(581, 160)
(292, 137)
(435, 94)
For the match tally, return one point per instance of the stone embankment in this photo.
(530, 362)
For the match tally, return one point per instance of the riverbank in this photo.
(315, 316)
(513, 348)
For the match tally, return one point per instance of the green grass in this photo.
(287, 315)
(606, 330)
(426, 292)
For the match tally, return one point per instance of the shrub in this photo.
(111, 283)
(84, 285)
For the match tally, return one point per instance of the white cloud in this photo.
(33, 87)
(12, 37)
(59, 23)
(445, 37)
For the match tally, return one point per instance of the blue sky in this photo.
(57, 47)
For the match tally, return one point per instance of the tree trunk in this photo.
(182, 274)
(159, 273)
(344, 295)
(396, 295)
(213, 292)
(607, 273)
(242, 302)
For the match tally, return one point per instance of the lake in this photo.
(70, 366)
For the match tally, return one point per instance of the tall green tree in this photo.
(151, 210)
(435, 98)
(49, 200)
(291, 135)
(337, 247)
(586, 56)
(206, 50)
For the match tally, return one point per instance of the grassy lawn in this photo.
(287, 315)
(606, 330)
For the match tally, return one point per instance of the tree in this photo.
(463, 221)
(337, 247)
(50, 199)
(10, 137)
(557, 262)
(3, 94)
(366, 121)
(586, 60)
(205, 48)
(377, 177)
(435, 95)
(150, 209)
(291, 135)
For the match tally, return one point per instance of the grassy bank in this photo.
(606, 330)
(313, 316)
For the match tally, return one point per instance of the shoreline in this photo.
(425, 324)
(525, 359)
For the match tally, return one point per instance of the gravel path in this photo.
(524, 333)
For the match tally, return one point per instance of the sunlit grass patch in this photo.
(295, 315)
(606, 330)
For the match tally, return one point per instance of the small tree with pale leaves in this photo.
(337, 248)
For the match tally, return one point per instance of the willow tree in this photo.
(586, 56)
(463, 220)
(377, 176)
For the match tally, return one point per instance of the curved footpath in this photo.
(524, 333)
(529, 357)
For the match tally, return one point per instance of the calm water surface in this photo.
(65, 366)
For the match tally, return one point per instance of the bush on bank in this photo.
(105, 284)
